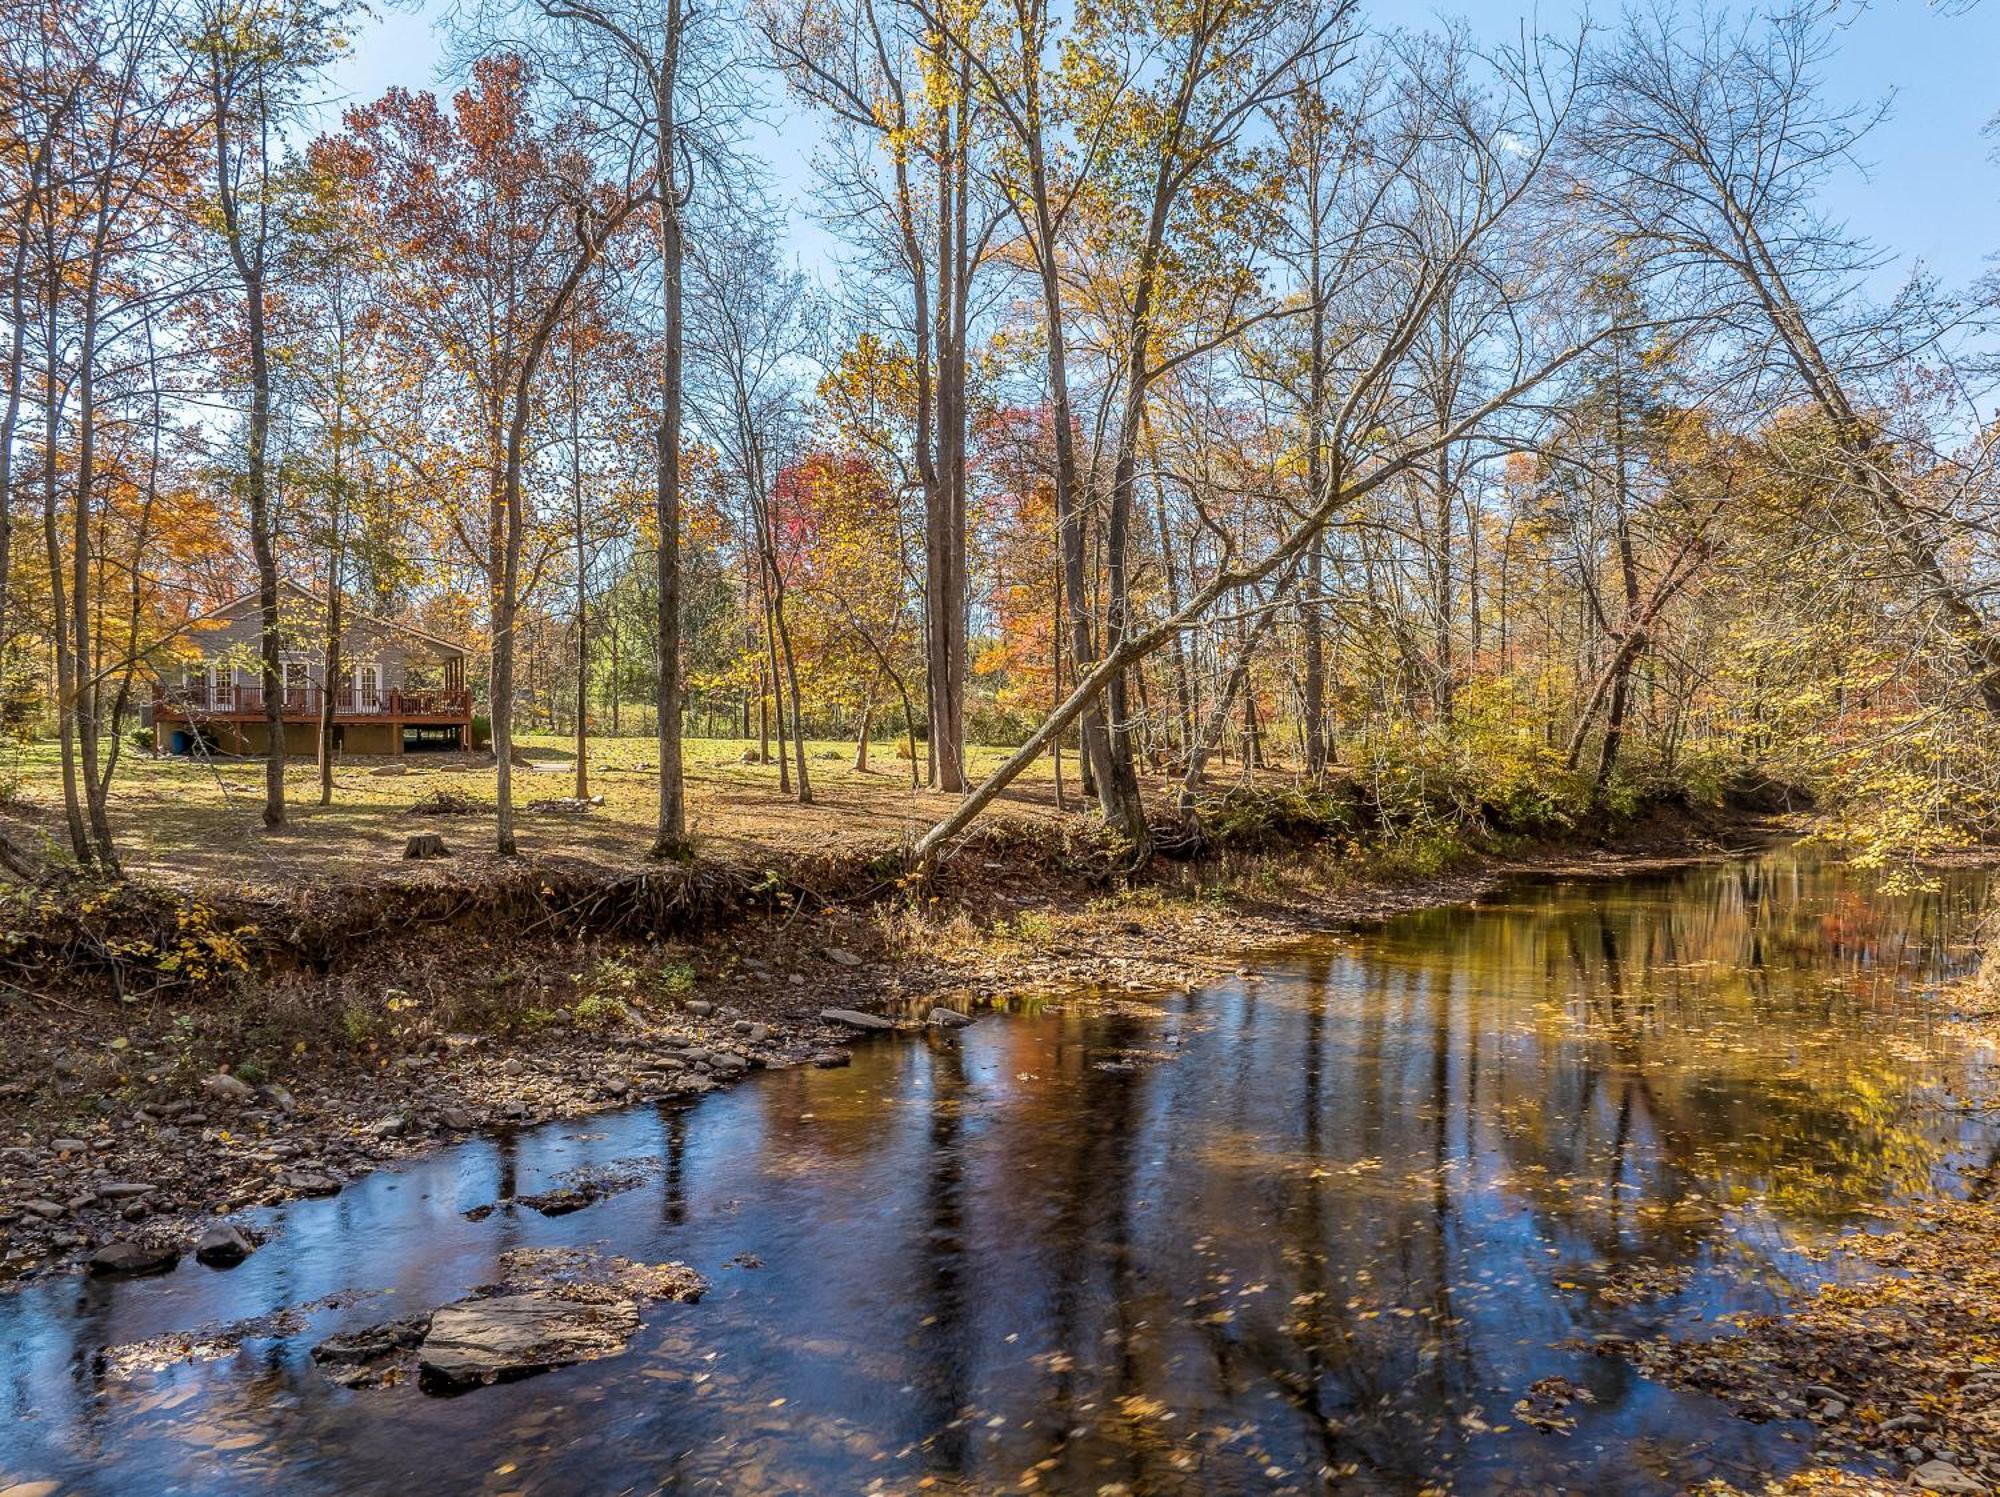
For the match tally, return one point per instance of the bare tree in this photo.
(1707, 142)
(1502, 133)
(746, 353)
(910, 186)
(664, 82)
(255, 61)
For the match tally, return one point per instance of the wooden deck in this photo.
(223, 703)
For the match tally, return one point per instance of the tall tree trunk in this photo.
(504, 591)
(791, 681)
(1445, 685)
(1118, 790)
(10, 416)
(777, 676)
(616, 689)
(763, 717)
(1312, 617)
(944, 519)
(507, 599)
(1040, 220)
(331, 662)
(83, 662)
(1614, 727)
(330, 671)
(65, 646)
(1184, 726)
(582, 592)
(248, 259)
(670, 839)
(867, 725)
(1055, 683)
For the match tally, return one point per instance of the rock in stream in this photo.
(478, 1341)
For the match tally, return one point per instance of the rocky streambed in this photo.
(155, 1180)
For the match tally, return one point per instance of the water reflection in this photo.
(1318, 1231)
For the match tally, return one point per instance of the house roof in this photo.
(287, 585)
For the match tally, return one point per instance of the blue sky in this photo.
(1931, 191)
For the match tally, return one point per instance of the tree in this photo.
(497, 221)
(255, 58)
(325, 336)
(1709, 140)
(753, 333)
(105, 231)
(1498, 137)
(662, 82)
(910, 188)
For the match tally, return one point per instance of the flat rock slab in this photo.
(855, 1019)
(478, 1341)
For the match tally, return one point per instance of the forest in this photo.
(1137, 748)
(1201, 404)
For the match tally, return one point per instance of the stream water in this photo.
(1313, 1228)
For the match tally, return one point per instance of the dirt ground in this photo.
(201, 822)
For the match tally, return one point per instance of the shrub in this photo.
(600, 1011)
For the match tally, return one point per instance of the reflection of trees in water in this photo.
(1679, 1045)
(1340, 1229)
(943, 1376)
(1357, 1394)
(1734, 1024)
(673, 1175)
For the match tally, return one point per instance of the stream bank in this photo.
(141, 1125)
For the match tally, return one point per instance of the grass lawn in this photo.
(198, 821)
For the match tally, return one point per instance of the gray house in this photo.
(398, 688)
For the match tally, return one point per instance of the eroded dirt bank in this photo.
(138, 1113)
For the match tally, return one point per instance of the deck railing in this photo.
(246, 699)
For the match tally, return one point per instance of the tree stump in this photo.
(426, 845)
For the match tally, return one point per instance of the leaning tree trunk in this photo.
(1614, 728)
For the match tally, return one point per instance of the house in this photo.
(399, 689)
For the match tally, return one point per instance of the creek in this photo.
(1316, 1226)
